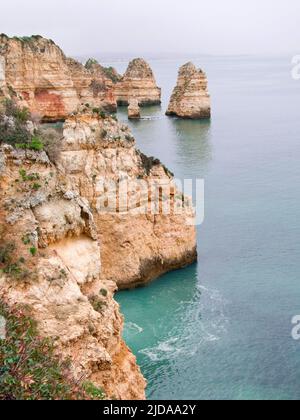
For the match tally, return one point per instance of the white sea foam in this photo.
(131, 326)
(193, 332)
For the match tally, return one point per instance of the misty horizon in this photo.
(174, 28)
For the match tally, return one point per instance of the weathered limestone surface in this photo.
(138, 82)
(64, 290)
(144, 244)
(42, 78)
(88, 244)
(190, 98)
(134, 112)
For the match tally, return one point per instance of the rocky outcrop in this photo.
(104, 216)
(138, 82)
(54, 268)
(134, 112)
(42, 78)
(190, 98)
(146, 230)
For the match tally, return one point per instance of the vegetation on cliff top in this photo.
(18, 129)
(29, 369)
(15, 129)
(109, 72)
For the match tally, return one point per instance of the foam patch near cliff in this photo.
(69, 240)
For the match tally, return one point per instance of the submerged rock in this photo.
(190, 98)
(138, 82)
(134, 112)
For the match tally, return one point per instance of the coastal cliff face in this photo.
(145, 230)
(40, 77)
(138, 82)
(54, 268)
(190, 98)
(69, 237)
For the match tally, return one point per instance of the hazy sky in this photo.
(158, 26)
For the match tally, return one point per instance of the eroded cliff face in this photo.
(138, 82)
(39, 75)
(144, 228)
(53, 265)
(190, 98)
(73, 232)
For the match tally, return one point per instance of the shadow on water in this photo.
(152, 112)
(193, 144)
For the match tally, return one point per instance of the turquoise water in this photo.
(221, 329)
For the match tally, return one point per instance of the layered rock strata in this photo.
(61, 281)
(41, 78)
(134, 112)
(138, 82)
(143, 237)
(190, 98)
(71, 234)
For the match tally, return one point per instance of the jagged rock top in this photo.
(138, 82)
(49, 84)
(35, 43)
(138, 69)
(189, 69)
(109, 72)
(190, 97)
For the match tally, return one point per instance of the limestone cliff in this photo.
(138, 82)
(54, 268)
(69, 237)
(39, 75)
(144, 237)
(190, 98)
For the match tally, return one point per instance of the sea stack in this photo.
(190, 98)
(134, 112)
(138, 82)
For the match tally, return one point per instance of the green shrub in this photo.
(33, 251)
(14, 129)
(5, 253)
(36, 186)
(36, 144)
(9, 265)
(111, 73)
(29, 370)
(103, 292)
(97, 303)
(90, 62)
(93, 391)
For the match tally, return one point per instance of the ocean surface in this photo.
(221, 329)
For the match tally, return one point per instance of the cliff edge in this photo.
(102, 216)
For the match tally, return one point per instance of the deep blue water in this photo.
(221, 329)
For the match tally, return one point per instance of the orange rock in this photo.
(190, 98)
